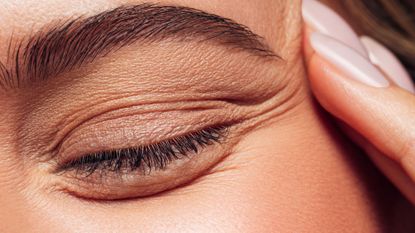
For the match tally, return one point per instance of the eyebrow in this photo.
(80, 41)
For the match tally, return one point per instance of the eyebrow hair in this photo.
(80, 41)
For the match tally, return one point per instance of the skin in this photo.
(285, 169)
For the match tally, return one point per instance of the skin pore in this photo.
(280, 166)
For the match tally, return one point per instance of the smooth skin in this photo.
(293, 171)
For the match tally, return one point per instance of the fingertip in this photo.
(388, 63)
(335, 91)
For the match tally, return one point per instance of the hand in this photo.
(366, 88)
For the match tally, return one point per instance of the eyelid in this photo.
(111, 184)
(153, 156)
(124, 128)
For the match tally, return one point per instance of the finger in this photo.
(393, 171)
(389, 167)
(396, 72)
(352, 89)
(320, 18)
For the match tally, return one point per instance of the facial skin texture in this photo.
(284, 168)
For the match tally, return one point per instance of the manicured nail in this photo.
(347, 60)
(324, 20)
(388, 63)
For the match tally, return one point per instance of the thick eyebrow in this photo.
(69, 45)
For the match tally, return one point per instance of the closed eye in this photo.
(144, 170)
(146, 157)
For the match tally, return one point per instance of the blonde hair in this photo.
(391, 22)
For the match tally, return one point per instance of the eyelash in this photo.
(154, 156)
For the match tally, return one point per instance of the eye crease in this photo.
(147, 157)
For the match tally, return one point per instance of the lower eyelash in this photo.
(154, 156)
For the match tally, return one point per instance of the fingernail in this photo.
(388, 63)
(324, 20)
(347, 60)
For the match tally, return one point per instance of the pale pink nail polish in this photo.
(346, 59)
(388, 63)
(324, 20)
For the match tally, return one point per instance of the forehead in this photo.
(21, 18)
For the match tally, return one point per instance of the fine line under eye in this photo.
(146, 157)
